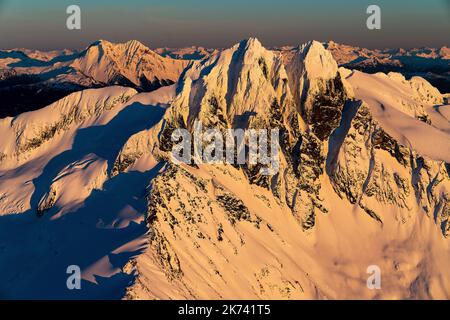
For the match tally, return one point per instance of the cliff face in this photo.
(248, 87)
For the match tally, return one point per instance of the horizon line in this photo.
(270, 47)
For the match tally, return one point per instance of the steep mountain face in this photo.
(358, 184)
(245, 78)
(318, 89)
(30, 80)
(248, 86)
(395, 166)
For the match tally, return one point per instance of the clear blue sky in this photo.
(42, 24)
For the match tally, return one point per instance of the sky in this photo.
(177, 23)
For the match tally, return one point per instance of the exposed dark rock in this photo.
(235, 208)
(382, 140)
(326, 112)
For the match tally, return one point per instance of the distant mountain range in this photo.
(31, 79)
(432, 64)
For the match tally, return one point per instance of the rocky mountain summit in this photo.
(359, 184)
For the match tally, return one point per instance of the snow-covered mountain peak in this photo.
(244, 79)
(127, 49)
(130, 64)
(314, 79)
(250, 45)
(249, 52)
(311, 60)
(318, 61)
(135, 44)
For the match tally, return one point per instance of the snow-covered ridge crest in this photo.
(31, 130)
(424, 92)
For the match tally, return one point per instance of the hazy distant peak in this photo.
(129, 46)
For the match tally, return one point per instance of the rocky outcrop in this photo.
(136, 146)
(181, 204)
(47, 202)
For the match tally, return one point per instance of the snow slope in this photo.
(89, 219)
